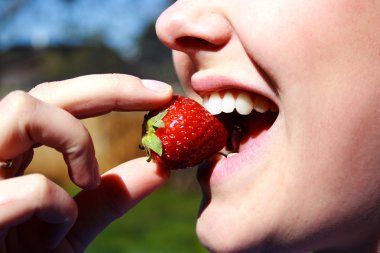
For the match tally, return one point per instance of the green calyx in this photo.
(150, 140)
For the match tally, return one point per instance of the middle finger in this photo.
(27, 121)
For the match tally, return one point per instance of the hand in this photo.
(36, 215)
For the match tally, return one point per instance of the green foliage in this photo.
(164, 222)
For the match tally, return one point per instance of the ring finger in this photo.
(16, 166)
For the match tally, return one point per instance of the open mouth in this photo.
(248, 117)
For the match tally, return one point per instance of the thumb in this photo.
(121, 188)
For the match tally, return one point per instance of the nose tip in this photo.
(185, 28)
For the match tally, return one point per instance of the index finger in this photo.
(91, 95)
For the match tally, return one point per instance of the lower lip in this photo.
(220, 169)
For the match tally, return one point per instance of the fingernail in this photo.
(156, 86)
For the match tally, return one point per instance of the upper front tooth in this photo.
(243, 102)
(244, 105)
(228, 103)
(214, 104)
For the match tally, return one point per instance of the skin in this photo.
(36, 215)
(314, 185)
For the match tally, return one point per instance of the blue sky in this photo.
(41, 23)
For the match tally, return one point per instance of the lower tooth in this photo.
(231, 154)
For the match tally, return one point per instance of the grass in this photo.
(164, 222)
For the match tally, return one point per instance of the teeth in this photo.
(243, 102)
(228, 103)
(244, 105)
(215, 104)
(261, 104)
(222, 155)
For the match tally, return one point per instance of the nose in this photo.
(193, 25)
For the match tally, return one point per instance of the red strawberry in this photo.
(182, 134)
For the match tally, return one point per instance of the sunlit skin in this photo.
(36, 214)
(308, 182)
(313, 184)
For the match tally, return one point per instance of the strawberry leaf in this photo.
(159, 124)
(156, 121)
(152, 143)
(150, 140)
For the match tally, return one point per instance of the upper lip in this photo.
(204, 85)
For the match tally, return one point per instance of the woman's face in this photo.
(308, 176)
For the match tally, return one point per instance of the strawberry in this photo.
(182, 134)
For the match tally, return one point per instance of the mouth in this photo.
(249, 119)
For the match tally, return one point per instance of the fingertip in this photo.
(86, 176)
(154, 167)
(157, 86)
(141, 177)
(96, 179)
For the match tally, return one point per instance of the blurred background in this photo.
(43, 41)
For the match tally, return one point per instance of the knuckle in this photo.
(39, 89)
(19, 102)
(115, 79)
(120, 85)
(46, 92)
(40, 186)
(118, 81)
(80, 140)
(47, 195)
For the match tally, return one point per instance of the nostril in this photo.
(189, 26)
(189, 42)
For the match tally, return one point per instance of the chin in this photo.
(220, 229)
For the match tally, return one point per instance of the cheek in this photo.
(336, 148)
(324, 57)
(298, 42)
